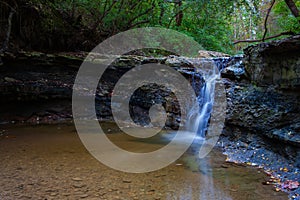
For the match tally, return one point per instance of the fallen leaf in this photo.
(290, 185)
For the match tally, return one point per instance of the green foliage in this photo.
(211, 29)
(213, 23)
(286, 21)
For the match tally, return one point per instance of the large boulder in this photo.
(275, 63)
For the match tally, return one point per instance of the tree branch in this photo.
(121, 5)
(104, 14)
(161, 13)
(266, 20)
(135, 5)
(174, 17)
(292, 6)
(140, 14)
(138, 23)
(8, 6)
(268, 38)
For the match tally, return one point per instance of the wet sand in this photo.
(50, 162)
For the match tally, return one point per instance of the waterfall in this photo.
(206, 101)
(210, 70)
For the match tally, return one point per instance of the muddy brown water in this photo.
(50, 162)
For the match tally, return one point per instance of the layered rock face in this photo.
(266, 111)
(37, 87)
(275, 63)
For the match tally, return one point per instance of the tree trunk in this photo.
(292, 6)
(179, 14)
(161, 14)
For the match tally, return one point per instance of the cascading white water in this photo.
(199, 119)
(210, 70)
(207, 101)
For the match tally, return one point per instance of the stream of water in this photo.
(50, 162)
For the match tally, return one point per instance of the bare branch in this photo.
(138, 23)
(3, 2)
(105, 12)
(268, 38)
(135, 5)
(139, 15)
(266, 20)
(121, 5)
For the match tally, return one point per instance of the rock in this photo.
(127, 62)
(263, 113)
(286, 134)
(84, 196)
(275, 63)
(10, 80)
(78, 185)
(51, 76)
(53, 194)
(126, 181)
(77, 179)
(235, 69)
(224, 166)
(263, 117)
(211, 54)
(26, 197)
(178, 62)
(51, 190)
(260, 109)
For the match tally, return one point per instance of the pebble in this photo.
(50, 190)
(77, 179)
(10, 80)
(159, 175)
(126, 181)
(84, 196)
(78, 185)
(26, 197)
